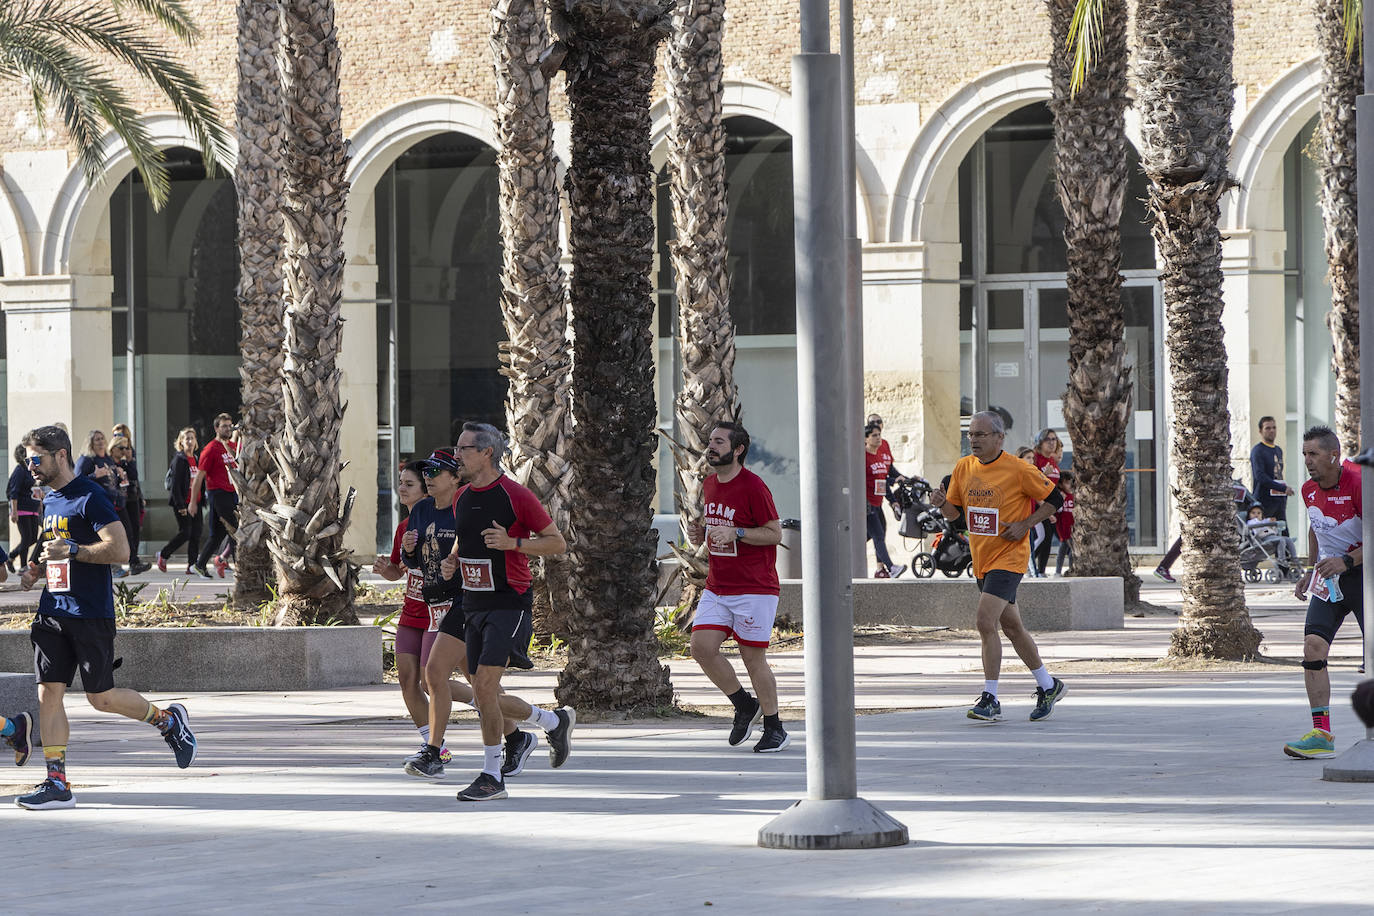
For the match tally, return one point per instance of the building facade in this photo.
(116, 312)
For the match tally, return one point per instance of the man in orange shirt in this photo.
(996, 491)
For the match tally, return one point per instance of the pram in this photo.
(1261, 544)
(916, 518)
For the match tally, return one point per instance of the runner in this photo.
(74, 627)
(181, 472)
(433, 518)
(212, 476)
(1335, 548)
(996, 491)
(499, 524)
(741, 595)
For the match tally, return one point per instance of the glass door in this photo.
(1007, 375)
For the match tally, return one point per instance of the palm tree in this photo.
(62, 53)
(1185, 98)
(534, 289)
(1088, 54)
(1338, 36)
(258, 182)
(306, 521)
(612, 651)
(706, 335)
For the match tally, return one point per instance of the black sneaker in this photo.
(425, 763)
(519, 746)
(745, 720)
(47, 794)
(986, 708)
(775, 738)
(484, 788)
(23, 728)
(179, 736)
(560, 738)
(201, 571)
(1045, 700)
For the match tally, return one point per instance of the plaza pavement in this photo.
(1144, 792)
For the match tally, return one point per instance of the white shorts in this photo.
(748, 618)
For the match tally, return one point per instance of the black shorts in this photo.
(455, 622)
(61, 645)
(1324, 617)
(1000, 583)
(500, 638)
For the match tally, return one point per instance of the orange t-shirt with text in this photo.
(994, 495)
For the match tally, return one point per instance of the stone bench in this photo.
(1045, 604)
(230, 658)
(18, 693)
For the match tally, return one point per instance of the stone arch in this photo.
(1261, 141)
(14, 247)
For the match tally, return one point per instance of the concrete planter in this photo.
(230, 658)
(18, 693)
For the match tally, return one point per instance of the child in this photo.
(1063, 524)
(1285, 549)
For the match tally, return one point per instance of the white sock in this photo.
(424, 733)
(492, 766)
(990, 687)
(542, 718)
(1042, 677)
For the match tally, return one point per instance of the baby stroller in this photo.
(949, 552)
(1261, 544)
(916, 518)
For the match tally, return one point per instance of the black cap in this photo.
(444, 459)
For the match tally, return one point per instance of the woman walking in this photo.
(122, 452)
(26, 510)
(95, 462)
(1048, 451)
(183, 468)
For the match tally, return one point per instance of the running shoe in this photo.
(425, 763)
(200, 571)
(47, 794)
(986, 708)
(119, 572)
(484, 788)
(1314, 744)
(560, 738)
(881, 573)
(775, 738)
(1162, 573)
(1045, 700)
(179, 736)
(745, 719)
(221, 565)
(519, 746)
(138, 568)
(895, 572)
(23, 729)
(161, 562)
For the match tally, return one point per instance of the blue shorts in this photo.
(1000, 583)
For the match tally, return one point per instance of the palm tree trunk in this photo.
(534, 290)
(1090, 168)
(706, 334)
(1185, 86)
(1342, 80)
(612, 654)
(258, 183)
(313, 567)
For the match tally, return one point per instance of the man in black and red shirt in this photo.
(742, 531)
(212, 476)
(499, 525)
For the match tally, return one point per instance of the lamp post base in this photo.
(834, 823)
(1353, 765)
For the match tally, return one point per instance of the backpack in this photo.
(167, 480)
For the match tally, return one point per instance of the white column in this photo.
(358, 368)
(1253, 321)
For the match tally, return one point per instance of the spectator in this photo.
(26, 507)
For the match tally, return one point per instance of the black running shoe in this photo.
(745, 720)
(1045, 700)
(484, 788)
(425, 763)
(775, 738)
(47, 794)
(560, 738)
(519, 746)
(179, 736)
(986, 708)
(23, 730)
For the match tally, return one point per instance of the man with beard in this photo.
(1266, 468)
(212, 474)
(742, 531)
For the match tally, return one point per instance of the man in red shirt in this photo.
(212, 477)
(742, 531)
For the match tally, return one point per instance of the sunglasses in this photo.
(432, 473)
(36, 460)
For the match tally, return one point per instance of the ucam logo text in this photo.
(720, 512)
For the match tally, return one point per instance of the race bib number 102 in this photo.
(982, 520)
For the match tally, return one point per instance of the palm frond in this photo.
(1085, 38)
(172, 15)
(1352, 12)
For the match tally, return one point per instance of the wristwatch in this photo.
(739, 534)
(1349, 562)
(72, 548)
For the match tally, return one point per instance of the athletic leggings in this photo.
(877, 533)
(28, 538)
(1040, 545)
(224, 522)
(188, 533)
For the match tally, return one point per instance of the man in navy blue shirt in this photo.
(1266, 469)
(75, 624)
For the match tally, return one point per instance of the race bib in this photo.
(59, 576)
(436, 614)
(982, 520)
(477, 575)
(1318, 588)
(880, 487)
(415, 585)
(1273, 492)
(230, 460)
(729, 550)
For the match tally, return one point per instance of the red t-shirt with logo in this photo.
(1335, 515)
(740, 569)
(875, 478)
(1063, 519)
(414, 610)
(216, 459)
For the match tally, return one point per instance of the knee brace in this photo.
(1318, 665)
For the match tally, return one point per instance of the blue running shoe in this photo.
(179, 736)
(986, 709)
(1045, 700)
(47, 794)
(519, 746)
(23, 729)
(1314, 744)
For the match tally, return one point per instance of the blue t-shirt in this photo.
(78, 511)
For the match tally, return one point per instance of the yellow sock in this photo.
(155, 717)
